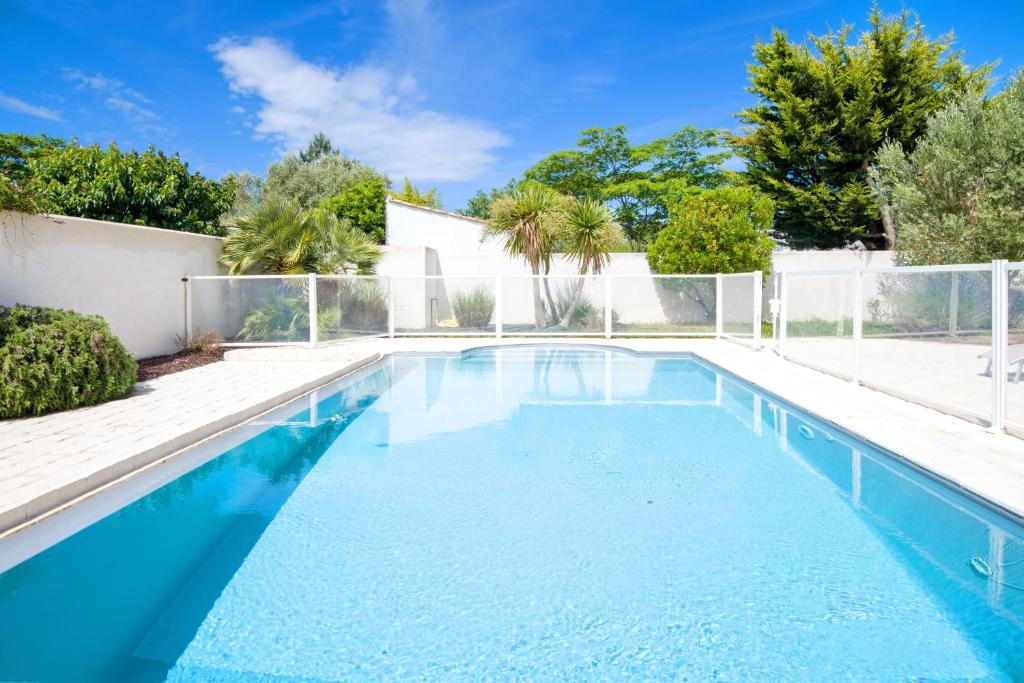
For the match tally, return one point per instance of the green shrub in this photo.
(473, 308)
(55, 360)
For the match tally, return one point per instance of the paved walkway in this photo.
(48, 461)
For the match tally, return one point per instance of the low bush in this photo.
(473, 308)
(55, 360)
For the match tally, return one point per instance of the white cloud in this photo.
(119, 97)
(23, 107)
(369, 111)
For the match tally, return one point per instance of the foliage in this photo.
(410, 193)
(571, 311)
(310, 182)
(319, 146)
(279, 237)
(473, 308)
(283, 316)
(921, 302)
(479, 205)
(590, 234)
(825, 107)
(363, 205)
(56, 360)
(637, 182)
(724, 230)
(150, 188)
(958, 196)
(529, 221)
(248, 192)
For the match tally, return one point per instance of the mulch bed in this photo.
(158, 366)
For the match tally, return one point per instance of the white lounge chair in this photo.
(1014, 356)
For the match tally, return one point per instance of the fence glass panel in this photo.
(1015, 347)
(927, 334)
(664, 305)
(819, 321)
(741, 305)
(553, 305)
(251, 310)
(443, 305)
(350, 307)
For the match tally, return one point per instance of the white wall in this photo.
(128, 274)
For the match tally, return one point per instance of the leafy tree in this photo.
(410, 193)
(723, 230)
(311, 182)
(282, 238)
(150, 188)
(363, 205)
(826, 106)
(17, 191)
(958, 196)
(319, 146)
(637, 182)
(479, 205)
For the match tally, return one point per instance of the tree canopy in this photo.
(362, 205)
(958, 195)
(479, 205)
(824, 109)
(147, 188)
(311, 182)
(412, 194)
(636, 182)
(722, 230)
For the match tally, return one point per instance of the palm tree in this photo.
(280, 238)
(590, 235)
(530, 221)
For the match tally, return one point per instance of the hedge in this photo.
(54, 359)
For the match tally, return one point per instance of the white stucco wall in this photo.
(128, 274)
(454, 249)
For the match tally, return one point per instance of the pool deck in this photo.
(50, 462)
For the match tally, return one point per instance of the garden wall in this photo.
(128, 274)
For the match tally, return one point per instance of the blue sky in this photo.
(458, 95)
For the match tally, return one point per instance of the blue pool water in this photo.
(532, 514)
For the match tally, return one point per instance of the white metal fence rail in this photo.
(255, 310)
(950, 337)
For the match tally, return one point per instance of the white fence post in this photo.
(607, 306)
(312, 311)
(783, 313)
(719, 313)
(1000, 333)
(188, 307)
(391, 307)
(497, 307)
(954, 303)
(758, 286)
(858, 323)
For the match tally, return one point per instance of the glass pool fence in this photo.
(253, 310)
(949, 337)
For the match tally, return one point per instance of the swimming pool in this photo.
(530, 513)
